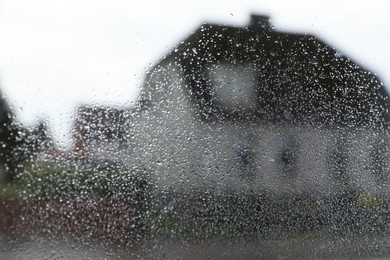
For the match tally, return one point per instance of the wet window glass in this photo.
(237, 130)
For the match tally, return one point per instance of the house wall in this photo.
(312, 170)
(163, 132)
(188, 154)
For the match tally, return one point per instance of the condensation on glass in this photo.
(241, 136)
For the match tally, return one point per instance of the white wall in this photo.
(186, 153)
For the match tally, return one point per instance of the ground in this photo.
(310, 246)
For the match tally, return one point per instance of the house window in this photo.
(233, 87)
(243, 151)
(288, 155)
(338, 158)
(377, 159)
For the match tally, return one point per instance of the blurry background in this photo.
(58, 54)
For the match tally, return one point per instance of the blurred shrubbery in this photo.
(50, 180)
(106, 202)
(107, 196)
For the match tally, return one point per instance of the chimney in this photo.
(260, 22)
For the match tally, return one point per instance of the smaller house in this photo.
(100, 134)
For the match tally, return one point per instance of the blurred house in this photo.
(100, 134)
(253, 109)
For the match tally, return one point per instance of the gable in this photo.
(299, 79)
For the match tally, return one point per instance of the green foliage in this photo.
(8, 140)
(232, 215)
(10, 190)
(48, 180)
(265, 215)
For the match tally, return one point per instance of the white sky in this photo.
(57, 54)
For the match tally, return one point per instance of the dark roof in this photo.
(301, 80)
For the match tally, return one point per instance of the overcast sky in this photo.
(58, 54)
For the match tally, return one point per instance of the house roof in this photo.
(300, 79)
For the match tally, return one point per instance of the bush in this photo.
(47, 180)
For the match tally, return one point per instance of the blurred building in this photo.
(100, 134)
(253, 109)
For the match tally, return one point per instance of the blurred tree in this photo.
(37, 141)
(18, 145)
(8, 141)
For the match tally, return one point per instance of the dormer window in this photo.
(233, 87)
